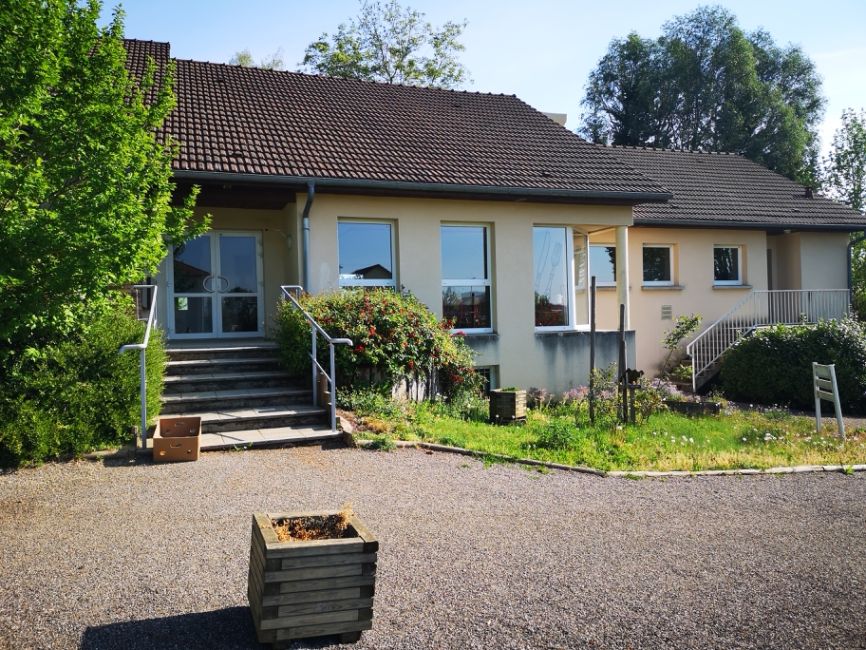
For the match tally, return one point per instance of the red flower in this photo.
(359, 348)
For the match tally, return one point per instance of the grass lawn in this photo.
(665, 441)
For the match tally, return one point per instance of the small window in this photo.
(466, 277)
(552, 256)
(658, 267)
(366, 254)
(727, 266)
(602, 264)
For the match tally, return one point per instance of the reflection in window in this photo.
(726, 265)
(657, 265)
(602, 264)
(192, 265)
(551, 276)
(466, 277)
(365, 254)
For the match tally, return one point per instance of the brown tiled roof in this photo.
(238, 120)
(140, 52)
(728, 190)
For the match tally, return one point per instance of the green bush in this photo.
(394, 336)
(80, 394)
(775, 365)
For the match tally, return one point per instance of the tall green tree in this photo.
(845, 180)
(245, 59)
(706, 84)
(85, 189)
(393, 44)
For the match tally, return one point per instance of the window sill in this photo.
(572, 331)
(477, 336)
(605, 287)
(725, 287)
(662, 287)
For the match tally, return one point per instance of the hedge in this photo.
(80, 394)
(395, 337)
(774, 366)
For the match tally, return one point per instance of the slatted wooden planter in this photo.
(302, 589)
(507, 405)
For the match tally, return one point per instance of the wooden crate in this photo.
(507, 405)
(313, 588)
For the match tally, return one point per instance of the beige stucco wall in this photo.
(416, 226)
(280, 246)
(824, 260)
(693, 277)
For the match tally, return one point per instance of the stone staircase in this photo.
(242, 395)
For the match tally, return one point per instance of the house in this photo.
(735, 243)
(489, 211)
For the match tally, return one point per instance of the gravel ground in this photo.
(111, 555)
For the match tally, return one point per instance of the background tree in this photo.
(705, 84)
(245, 58)
(390, 43)
(845, 180)
(85, 190)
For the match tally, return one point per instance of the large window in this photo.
(602, 264)
(727, 265)
(552, 256)
(658, 265)
(366, 250)
(466, 277)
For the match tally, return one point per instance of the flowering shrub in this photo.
(394, 338)
(775, 365)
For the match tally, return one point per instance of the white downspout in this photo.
(622, 274)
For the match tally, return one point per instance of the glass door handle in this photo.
(204, 284)
(222, 279)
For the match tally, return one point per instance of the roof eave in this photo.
(480, 191)
(748, 225)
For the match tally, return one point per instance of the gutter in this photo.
(305, 240)
(411, 186)
(748, 225)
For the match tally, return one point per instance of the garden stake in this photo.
(592, 351)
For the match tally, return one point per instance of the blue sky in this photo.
(542, 51)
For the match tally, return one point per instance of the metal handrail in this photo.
(142, 349)
(763, 308)
(289, 291)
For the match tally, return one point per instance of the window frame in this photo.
(570, 326)
(729, 283)
(487, 282)
(600, 283)
(349, 284)
(658, 283)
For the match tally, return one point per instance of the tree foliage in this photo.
(85, 190)
(705, 84)
(393, 44)
(245, 59)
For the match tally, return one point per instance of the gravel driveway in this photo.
(147, 556)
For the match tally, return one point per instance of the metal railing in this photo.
(291, 292)
(763, 308)
(142, 351)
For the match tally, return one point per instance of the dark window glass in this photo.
(551, 276)
(602, 264)
(365, 253)
(656, 264)
(467, 306)
(726, 264)
(192, 265)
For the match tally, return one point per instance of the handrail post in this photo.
(143, 395)
(333, 379)
(315, 364)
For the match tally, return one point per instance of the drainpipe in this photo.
(305, 240)
(851, 243)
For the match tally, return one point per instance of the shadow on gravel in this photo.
(217, 630)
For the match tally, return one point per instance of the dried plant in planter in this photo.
(318, 527)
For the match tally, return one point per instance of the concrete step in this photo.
(281, 416)
(222, 400)
(212, 381)
(190, 353)
(212, 366)
(265, 437)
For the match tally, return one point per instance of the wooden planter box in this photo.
(304, 589)
(694, 408)
(507, 405)
(177, 439)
